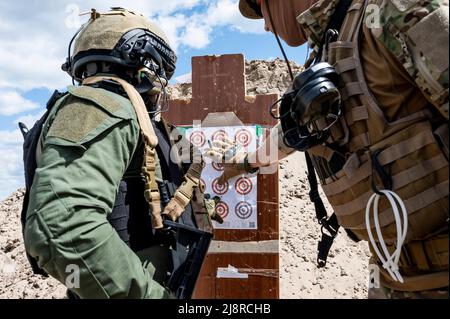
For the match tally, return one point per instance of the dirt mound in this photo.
(345, 276)
(16, 278)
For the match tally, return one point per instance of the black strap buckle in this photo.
(331, 226)
(165, 193)
(323, 248)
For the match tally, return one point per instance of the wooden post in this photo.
(218, 85)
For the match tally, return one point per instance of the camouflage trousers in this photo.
(387, 293)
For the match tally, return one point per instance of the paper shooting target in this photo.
(244, 210)
(219, 135)
(243, 137)
(198, 139)
(222, 210)
(218, 167)
(219, 189)
(243, 186)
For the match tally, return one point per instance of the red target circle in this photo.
(243, 186)
(219, 189)
(244, 210)
(243, 137)
(198, 139)
(222, 210)
(219, 136)
(218, 167)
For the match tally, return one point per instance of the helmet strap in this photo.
(151, 85)
(277, 37)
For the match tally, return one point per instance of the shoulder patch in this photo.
(85, 114)
(76, 119)
(435, 47)
(416, 33)
(112, 103)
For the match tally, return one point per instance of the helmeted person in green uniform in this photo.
(104, 162)
(371, 113)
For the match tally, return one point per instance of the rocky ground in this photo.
(17, 280)
(345, 276)
(346, 273)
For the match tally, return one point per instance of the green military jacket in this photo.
(87, 144)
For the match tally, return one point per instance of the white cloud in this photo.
(184, 78)
(11, 162)
(11, 167)
(225, 12)
(35, 36)
(29, 119)
(10, 138)
(12, 103)
(196, 35)
(173, 26)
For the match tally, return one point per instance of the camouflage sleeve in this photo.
(416, 32)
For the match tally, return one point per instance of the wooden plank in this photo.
(251, 288)
(218, 85)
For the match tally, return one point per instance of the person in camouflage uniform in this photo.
(87, 220)
(392, 58)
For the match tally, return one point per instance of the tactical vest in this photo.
(411, 152)
(131, 215)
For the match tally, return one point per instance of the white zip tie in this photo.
(390, 262)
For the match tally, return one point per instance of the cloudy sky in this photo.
(33, 44)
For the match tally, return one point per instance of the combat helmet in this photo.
(122, 38)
